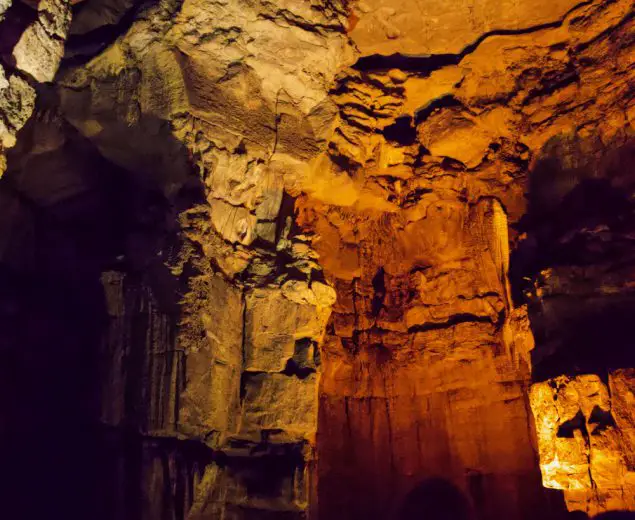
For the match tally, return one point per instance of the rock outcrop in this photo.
(585, 436)
(428, 358)
(213, 305)
(319, 259)
(32, 39)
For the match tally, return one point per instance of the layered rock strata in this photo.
(324, 256)
(427, 360)
(203, 380)
(585, 434)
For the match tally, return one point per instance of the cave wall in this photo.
(32, 36)
(428, 359)
(208, 308)
(430, 352)
(416, 385)
(318, 259)
(576, 261)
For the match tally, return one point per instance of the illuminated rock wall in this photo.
(319, 259)
(418, 379)
(32, 36)
(428, 358)
(585, 439)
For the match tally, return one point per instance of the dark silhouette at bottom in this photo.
(610, 515)
(435, 499)
(438, 499)
(616, 515)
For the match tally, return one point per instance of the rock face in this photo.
(31, 47)
(585, 436)
(428, 359)
(318, 259)
(210, 307)
(387, 27)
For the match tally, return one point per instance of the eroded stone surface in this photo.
(431, 163)
(304, 246)
(276, 320)
(437, 27)
(228, 101)
(583, 449)
(31, 47)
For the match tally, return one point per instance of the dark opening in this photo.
(435, 499)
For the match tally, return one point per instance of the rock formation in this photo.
(585, 434)
(32, 36)
(317, 259)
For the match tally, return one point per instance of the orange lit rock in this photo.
(417, 358)
(425, 344)
(385, 26)
(328, 254)
(582, 447)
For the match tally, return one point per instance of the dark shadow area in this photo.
(262, 475)
(17, 18)
(69, 218)
(601, 419)
(87, 40)
(609, 515)
(420, 64)
(402, 131)
(574, 266)
(435, 499)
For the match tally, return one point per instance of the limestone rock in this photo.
(33, 51)
(456, 136)
(387, 27)
(17, 100)
(39, 50)
(99, 13)
(4, 5)
(242, 83)
(580, 441)
(621, 388)
(234, 224)
(431, 167)
(303, 284)
(210, 400)
(276, 320)
(279, 403)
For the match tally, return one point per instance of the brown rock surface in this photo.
(300, 285)
(31, 47)
(439, 27)
(426, 359)
(585, 439)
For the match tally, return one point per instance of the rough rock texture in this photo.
(585, 437)
(318, 259)
(426, 363)
(574, 266)
(437, 27)
(212, 306)
(31, 47)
